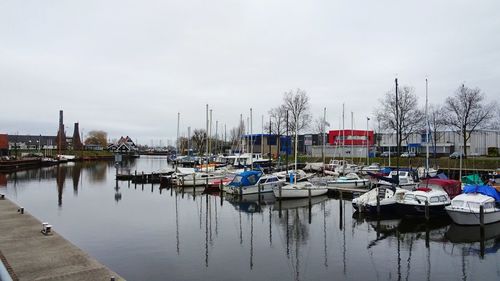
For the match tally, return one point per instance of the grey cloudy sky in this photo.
(128, 67)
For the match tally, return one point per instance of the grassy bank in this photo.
(77, 153)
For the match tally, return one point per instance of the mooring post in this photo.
(152, 177)
(481, 216)
(279, 191)
(241, 191)
(194, 184)
(378, 203)
(258, 186)
(481, 230)
(427, 214)
(309, 195)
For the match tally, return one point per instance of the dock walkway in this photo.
(29, 255)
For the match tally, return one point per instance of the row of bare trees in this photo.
(464, 112)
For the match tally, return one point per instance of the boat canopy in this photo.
(483, 189)
(246, 178)
(452, 187)
(472, 179)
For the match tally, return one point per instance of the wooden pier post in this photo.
(194, 184)
(258, 186)
(481, 230)
(221, 190)
(279, 191)
(310, 205)
(427, 214)
(481, 216)
(378, 203)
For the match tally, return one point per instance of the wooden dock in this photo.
(348, 189)
(30, 255)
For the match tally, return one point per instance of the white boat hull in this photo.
(349, 184)
(296, 191)
(472, 218)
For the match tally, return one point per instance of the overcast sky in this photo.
(128, 67)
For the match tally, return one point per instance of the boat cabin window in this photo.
(457, 203)
(473, 205)
(272, 179)
(262, 181)
(489, 205)
(252, 179)
(237, 179)
(421, 198)
(443, 198)
(409, 197)
(434, 199)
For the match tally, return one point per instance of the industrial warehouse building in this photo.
(355, 143)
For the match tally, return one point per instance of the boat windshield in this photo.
(252, 179)
(457, 203)
(237, 179)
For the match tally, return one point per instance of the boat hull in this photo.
(298, 193)
(350, 184)
(418, 211)
(472, 218)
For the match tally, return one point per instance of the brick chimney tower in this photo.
(77, 142)
(61, 135)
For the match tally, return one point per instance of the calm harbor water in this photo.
(145, 233)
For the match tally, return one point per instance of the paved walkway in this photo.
(30, 255)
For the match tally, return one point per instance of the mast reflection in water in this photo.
(182, 234)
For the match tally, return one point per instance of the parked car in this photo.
(387, 153)
(408, 154)
(456, 155)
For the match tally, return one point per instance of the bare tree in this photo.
(436, 125)
(199, 139)
(278, 123)
(466, 112)
(297, 104)
(235, 135)
(411, 118)
(320, 126)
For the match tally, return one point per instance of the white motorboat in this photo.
(465, 208)
(426, 173)
(387, 197)
(373, 168)
(250, 182)
(414, 203)
(350, 180)
(299, 190)
(405, 180)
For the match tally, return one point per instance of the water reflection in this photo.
(148, 233)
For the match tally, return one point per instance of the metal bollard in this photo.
(20, 210)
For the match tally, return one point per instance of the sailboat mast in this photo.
(352, 137)
(324, 133)
(251, 139)
(206, 133)
(397, 132)
(343, 133)
(296, 141)
(426, 128)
